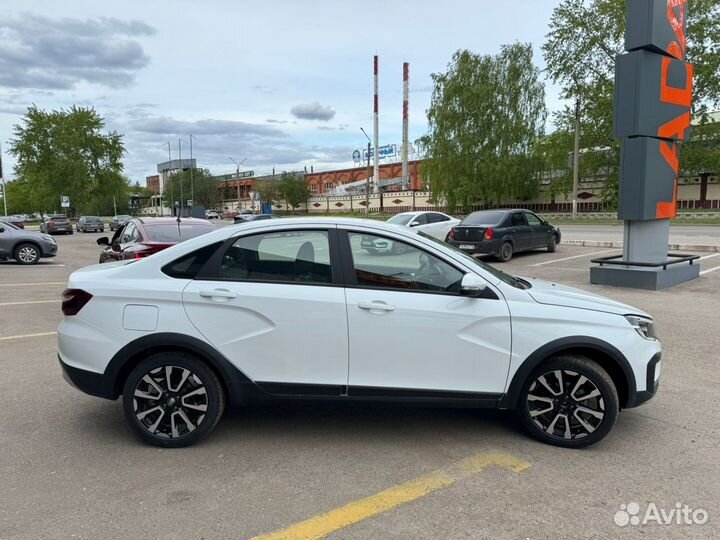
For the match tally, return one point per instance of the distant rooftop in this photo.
(176, 164)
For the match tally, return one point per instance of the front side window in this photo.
(384, 263)
(129, 234)
(286, 256)
(400, 219)
(533, 220)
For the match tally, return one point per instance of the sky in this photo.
(282, 83)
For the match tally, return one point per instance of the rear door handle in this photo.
(376, 306)
(218, 293)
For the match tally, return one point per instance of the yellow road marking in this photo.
(31, 284)
(323, 524)
(22, 336)
(30, 302)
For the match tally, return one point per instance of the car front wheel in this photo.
(569, 401)
(172, 399)
(27, 254)
(552, 244)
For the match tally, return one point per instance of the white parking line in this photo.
(709, 270)
(30, 302)
(574, 257)
(709, 256)
(23, 336)
(45, 283)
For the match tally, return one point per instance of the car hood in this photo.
(545, 292)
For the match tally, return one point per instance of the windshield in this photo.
(483, 218)
(176, 233)
(92, 218)
(502, 276)
(401, 219)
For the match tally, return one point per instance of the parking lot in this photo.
(71, 468)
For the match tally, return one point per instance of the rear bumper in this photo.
(94, 384)
(484, 246)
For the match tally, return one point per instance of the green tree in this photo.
(268, 190)
(485, 116)
(293, 189)
(203, 188)
(19, 198)
(65, 152)
(584, 39)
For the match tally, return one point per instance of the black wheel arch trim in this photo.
(234, 380)
(571, 344)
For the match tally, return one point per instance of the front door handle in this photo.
(218, 293)
(376, 306)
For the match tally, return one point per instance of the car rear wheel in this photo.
(506, 252)
(26, 254)
(569, 401)
(552, 244)
(172, 399)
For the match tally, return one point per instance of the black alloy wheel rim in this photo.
(565, 404)
(170, 402)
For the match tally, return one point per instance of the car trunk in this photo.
(469, 233)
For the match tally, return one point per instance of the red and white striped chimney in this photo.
(376, 135)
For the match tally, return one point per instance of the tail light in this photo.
(73, 300)
(489, 234)
(452, 233)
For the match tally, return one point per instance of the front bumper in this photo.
(48, 249)
(652, 382)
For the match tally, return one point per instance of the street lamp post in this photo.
(4, 185)
(237, 179)
(367, 183)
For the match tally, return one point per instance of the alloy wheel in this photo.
(27, 254)
(170, 401)
(565, 404)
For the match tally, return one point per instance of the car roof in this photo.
(171, 221)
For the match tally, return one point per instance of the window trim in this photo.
(211, 269)
(349, 266)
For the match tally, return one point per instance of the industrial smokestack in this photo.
(405, 172)
(376, 136)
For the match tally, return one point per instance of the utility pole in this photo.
(576, 158)
(367, 182)
(4, 185)
(192, 166)
(167, 175)
(405, 175)
(181, 170)
(115, 205)
(237, 179)
(376, 134)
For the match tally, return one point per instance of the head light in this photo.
(642, 326)
(48, 238)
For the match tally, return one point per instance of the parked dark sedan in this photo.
(90, 223)
(142, 237)
(56, 224)
(503, 232)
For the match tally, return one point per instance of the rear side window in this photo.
(176, 232)
(287, 256)
(517, 220)
(187, 266)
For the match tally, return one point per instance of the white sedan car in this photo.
(435, 224)
(298, 309)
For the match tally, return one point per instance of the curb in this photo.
(619, 245)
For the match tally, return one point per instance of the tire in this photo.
(552, 244)
(506, 252)
(27, 254)
(566, 423)
(156, 428)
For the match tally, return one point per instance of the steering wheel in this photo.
(430, 272)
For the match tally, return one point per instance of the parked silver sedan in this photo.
(26, 247)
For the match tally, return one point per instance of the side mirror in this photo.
(472, 285)
(415, 224)
(103, 241)
(2, 229)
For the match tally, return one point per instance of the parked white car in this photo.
(212, 214)
(298, 308)
(435, 224)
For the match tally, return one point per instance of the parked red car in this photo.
(142, 237)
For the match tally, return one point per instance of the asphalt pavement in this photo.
(71, 468)
(701, 235)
